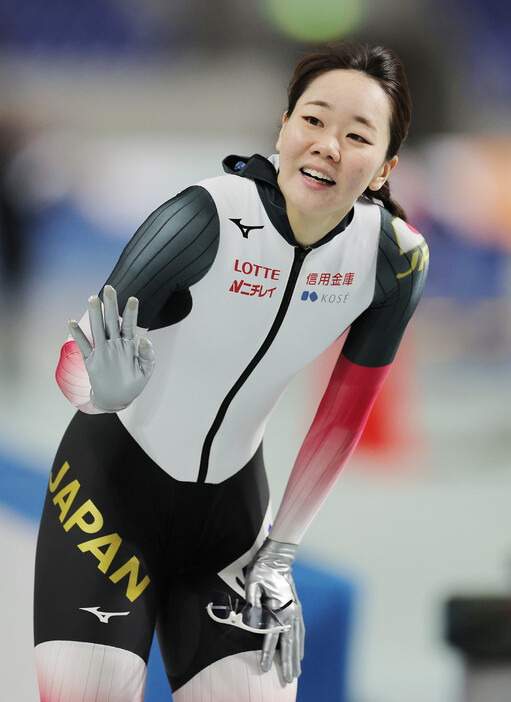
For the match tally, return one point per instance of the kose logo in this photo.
(325, 297)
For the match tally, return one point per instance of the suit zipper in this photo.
(299, 255)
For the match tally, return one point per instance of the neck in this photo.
(309, 229)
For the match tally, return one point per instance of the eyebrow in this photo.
(357, 118)
(364, 120)
(320, 103)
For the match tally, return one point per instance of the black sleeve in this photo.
(375, 335)
(173, 249)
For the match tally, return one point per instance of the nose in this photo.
(328, 147)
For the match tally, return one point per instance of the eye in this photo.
(314, 121)
(357, 137)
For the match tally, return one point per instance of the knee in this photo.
(87, 672)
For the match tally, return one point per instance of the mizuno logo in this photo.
(103, 616)
(246, 228)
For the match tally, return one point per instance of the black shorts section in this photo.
(189, 639)
(119, 534)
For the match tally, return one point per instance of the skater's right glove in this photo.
(118, 363)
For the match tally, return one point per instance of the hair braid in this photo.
(384, 196)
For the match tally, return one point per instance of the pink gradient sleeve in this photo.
(330, 441)
(73, 380)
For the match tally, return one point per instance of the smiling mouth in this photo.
(317, 176)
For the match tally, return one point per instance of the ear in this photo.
(284, 120)
(384, 173)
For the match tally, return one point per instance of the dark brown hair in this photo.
(381, 64)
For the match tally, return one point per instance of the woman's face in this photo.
(333, 147)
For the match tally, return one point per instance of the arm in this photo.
(332, 438)
(173, 249)
(330, 441)
(73, 380)
(359, 373)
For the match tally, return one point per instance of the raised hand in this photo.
(119, 364)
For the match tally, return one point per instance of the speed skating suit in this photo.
(154, 511)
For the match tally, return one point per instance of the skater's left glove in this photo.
(269, 581)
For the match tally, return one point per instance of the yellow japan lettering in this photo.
(64, 498)
(134, 589)
(104, 548)
(413, 265)
(410, 240)
(95, 546)
(425, 255)
(55, 483)
(89, 527)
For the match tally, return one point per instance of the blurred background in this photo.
(107, 109)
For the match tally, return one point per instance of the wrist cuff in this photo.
(270, 548)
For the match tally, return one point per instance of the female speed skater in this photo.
(157, 513)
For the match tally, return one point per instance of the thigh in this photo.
(96, 576)
(192, 642)
(238, 678)
(77, 671)
(206, 660)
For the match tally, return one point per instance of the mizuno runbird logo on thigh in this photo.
(103, 616)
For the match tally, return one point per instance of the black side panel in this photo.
(172, 250)
(375, 335)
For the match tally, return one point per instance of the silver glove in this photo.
(269, 581)
(118, 363)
